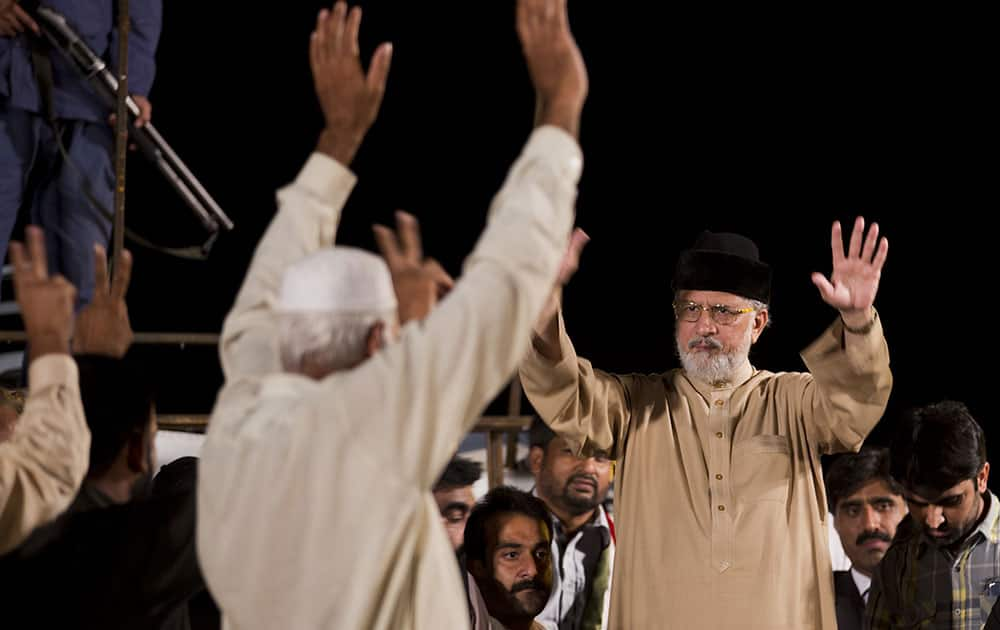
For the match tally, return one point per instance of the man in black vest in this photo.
(867, 505)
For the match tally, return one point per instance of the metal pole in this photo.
(121, 134)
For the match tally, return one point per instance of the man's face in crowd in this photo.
(947, 517)
(518, 579)
(569, 483)
(866, 522)
(710, 350)
(455, 505)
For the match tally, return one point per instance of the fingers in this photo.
(403, 247)
(18, 258)
(335, 28)
(540, 19)
(824, 286)
(868, 248)
(837, 243)
(409, 236)
(529, 19)
(870, 241)
(577, 241)
(388, 246)
(521, 19)
(378, 73)
(123, 275)
(100, 271)
(881, 254)
(61, 281)
(549, 11)
(350, 43)
(317, 41)
(25, 20)
(145, 112)
(562, 15)
(441, 278)
(856, 234)
(39, 262)
(9, 26)
(571, 259)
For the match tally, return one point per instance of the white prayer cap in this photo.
(338, 279)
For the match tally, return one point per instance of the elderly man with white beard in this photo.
(719, 497)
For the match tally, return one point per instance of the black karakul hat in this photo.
(723, 261)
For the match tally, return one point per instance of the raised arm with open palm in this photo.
(854, 280)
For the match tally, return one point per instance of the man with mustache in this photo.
(507, 541)
(718, 486)
(943, 569)
(573, 489)
(867, 505)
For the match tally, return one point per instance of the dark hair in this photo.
(937, 447)
(540, 434)
(850, 471)
(459, 473)
(500, 500)
(117, 402)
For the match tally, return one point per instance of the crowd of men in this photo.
(327, 493)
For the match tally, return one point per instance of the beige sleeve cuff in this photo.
(325, 178)
(859, 348)
(558, 146)
(50, 370)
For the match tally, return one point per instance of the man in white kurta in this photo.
(314, 504)
(315, 508)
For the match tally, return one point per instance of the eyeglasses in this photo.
(720, 313)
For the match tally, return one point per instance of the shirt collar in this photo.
(91, 498)
(990, 526)
(862, 582)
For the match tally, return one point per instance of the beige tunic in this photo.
(719, 498)
(314, 502)
(45, 460)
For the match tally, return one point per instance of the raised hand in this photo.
(103, 327)
(349, 98)
(46, 302)
(554, 62)
(14, 20)
(419, 282)
(854, 281)
(570, 263)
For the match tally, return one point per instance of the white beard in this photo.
(717, 366)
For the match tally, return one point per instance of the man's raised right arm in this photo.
(588, 408)
(421, 395)
(309, 208)
(44, 462)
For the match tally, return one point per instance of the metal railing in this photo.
(496, 429)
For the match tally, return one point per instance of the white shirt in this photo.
(863, 582)
(314, 502)
(838, 558)
(569, 581)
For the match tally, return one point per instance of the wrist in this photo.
(338, 145)
(562, 114)
(40, 344)
(858, 322)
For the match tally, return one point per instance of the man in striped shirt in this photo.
(943, 569)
